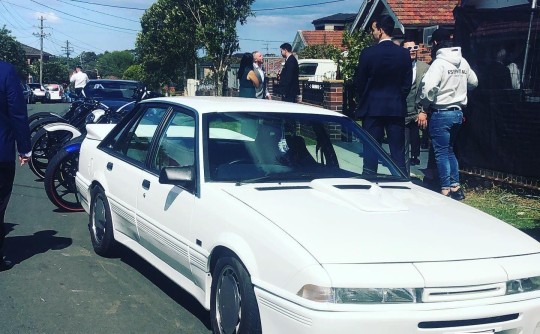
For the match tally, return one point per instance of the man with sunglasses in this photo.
(412, 132)
(383, 80)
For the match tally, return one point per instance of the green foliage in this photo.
(12, 52)
(134, 72)
(114, 64)
(321, 51)
(166, 46)
(355, 42)
(54, 71)
(215, 24)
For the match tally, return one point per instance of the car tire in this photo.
(233, 308)
(100, 223)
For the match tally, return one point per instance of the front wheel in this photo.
(100, 224)
(60, 181)
(44, 146)
(233, 308)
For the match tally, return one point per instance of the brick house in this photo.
(415, 19)
(328, 30)
(33, 54)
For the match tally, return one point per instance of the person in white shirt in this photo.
(79, 80)
(444, 93)
(261, 91)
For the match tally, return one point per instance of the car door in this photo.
(164, 211)
(123, 165)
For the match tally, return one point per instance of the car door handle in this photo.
(109, 166)
(146, 184)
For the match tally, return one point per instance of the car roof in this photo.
(208, 104)
(111, 80)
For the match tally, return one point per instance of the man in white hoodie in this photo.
(444, 94)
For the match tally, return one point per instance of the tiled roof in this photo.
(340, 17)
(30, 51)
(316, 37)
(424, 12)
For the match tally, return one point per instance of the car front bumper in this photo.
(511, 317)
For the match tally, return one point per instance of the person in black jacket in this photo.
(288, 81)
(383, 80)
(13, 129)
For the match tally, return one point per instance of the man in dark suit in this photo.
(13, 128)
(288, 81)
(383, 79)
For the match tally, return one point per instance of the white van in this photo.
(317, 69)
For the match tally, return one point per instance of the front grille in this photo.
(449, 294)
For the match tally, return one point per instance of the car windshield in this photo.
(249, 147)
(34, 85)
(111, 89)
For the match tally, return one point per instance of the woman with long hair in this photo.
(246, 75)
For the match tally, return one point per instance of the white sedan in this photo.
(264, 212)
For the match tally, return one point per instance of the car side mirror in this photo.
(178, 176)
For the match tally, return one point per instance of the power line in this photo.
(297, 6)
(107, 25)
(97, 11)
(100, 4)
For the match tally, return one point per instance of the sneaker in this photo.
(458, 195)
(5, 265)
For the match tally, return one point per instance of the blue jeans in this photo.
(443, 129)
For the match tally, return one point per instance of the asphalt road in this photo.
(59, 285)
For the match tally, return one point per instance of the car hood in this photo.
(115, 103)
(356, 221)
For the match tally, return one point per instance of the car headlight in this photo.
(523, 285)
(360, 295)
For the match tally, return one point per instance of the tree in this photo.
(12, 52)
(54, 71)
(134, 72)
(354, 42)
(166, 46)
(215, 22)
(320, 51)
(114, 63)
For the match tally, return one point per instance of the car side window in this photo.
(135, 141)
(177, 143)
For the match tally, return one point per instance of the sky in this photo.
(90, 26)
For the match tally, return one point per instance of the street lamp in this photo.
(97, 73)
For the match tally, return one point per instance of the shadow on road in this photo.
(176, 293)
(21, 248)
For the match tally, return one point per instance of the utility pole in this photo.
(41, 35)
(67, 49)
(266, 48)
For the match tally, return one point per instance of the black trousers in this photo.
(78, 91)
(7, 175)
(395, 132)
(289, 98)
(412, 143)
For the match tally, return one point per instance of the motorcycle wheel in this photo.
(32, 119)
(38, 124)
(44, 146)
(60, 181)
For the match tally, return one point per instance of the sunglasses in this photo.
(412, 48)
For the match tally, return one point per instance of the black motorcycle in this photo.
(60, 173)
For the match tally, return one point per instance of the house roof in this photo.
(30, 51)
(336, 18)
(422, 12)
(316, 37)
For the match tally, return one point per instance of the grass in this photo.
(519, 210)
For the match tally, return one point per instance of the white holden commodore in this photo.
(286, 218)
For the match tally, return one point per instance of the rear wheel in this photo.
(233, 308)
(100, 224)
(60, 181)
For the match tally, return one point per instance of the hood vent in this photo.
(353, 186)
(283, 188)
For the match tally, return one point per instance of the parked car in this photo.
(38, 92)
(27, 92)
(317, 69)
(54, 93)
(263, 212)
